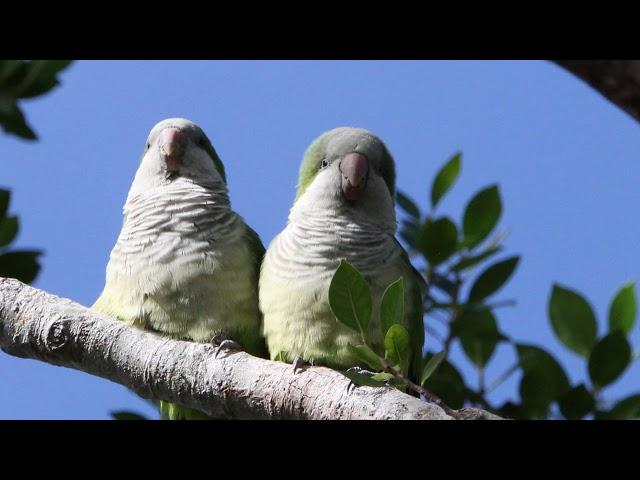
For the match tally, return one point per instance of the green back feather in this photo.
(415, 287)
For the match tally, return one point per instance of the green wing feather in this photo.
(256, 247)
(258, 347)
(416, 288)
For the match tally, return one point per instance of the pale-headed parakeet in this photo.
(185, 265)
(343, 209)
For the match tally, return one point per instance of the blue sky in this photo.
(566, 161)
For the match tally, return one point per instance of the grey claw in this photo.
(227, 346)
(298, 364)
(351, 387)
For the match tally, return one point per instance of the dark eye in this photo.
(201, 141)
(324, 164)
(148, 145)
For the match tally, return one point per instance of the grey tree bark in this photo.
(35, 324)
(617, 80)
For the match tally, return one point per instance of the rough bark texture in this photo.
(36, 324)
(618, 80)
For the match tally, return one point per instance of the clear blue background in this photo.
(565, 158)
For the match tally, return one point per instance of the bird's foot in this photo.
(223, 344)
(299, 363)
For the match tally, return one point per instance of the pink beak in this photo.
(354, 168)
(172, 143)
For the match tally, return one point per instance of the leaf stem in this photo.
(503, 377)
(418, 388)
(433, 332)
(481, 382)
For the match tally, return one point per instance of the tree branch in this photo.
(36, 324)
(618, 80)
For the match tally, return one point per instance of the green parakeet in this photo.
(344, 209)
(185, 265)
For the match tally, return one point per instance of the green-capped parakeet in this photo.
(343, 209)
(185, 265)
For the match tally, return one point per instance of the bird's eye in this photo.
(324, 164)
(202, 142)
(148, 145)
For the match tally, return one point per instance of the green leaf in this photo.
(41, 77)
(623, 309)
(533, 359)
(350, 298)
(481, 216)
(12, 121)
(367, 356)
(398, 346)
(5, 198)
(22, 265)
(479, 336)
(536, 393)
(408, 205)
(126, 415)
(431, 366)
(11, 73)
(609, 358)
(447, 383)
(626, 409)
(445, 179)
(362, 379)
(577, 403)
(469, 262)
(281, 357)
(382, 377)
(572, 319)
(438, 240)
(8, 230)
(392, 308)
(492, 279)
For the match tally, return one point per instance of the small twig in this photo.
(419, 389)
(433, 332)
(502, 378)
(502, 303)
(481, 390)
(441, 318)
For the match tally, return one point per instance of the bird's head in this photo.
(178, 148)
(348, 167)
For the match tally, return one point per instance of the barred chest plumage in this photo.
(295, 279)
(180, 264)
(181, 222)
(314, 245)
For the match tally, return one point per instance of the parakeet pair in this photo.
(187, 266)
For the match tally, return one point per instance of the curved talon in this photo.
(227, 346)
(298, 364)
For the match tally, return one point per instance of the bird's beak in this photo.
(354, 168)
(172, 146)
